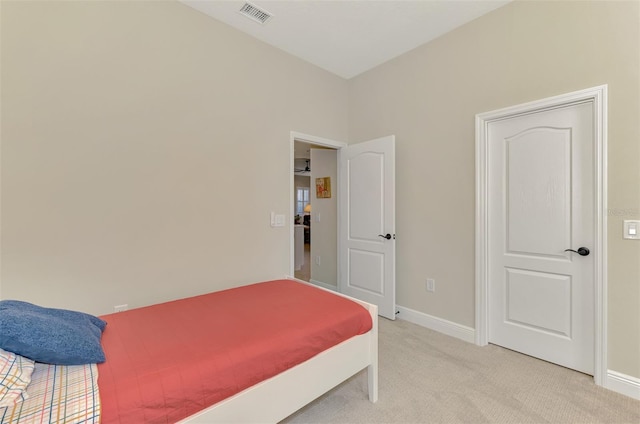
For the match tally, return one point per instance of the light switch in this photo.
(631, 229)
(277, 220)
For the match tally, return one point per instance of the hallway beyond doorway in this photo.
(305, 272)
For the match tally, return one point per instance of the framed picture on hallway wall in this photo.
(323, 188)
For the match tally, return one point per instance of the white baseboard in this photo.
(624, 384)
(440, 325)
(325, 285)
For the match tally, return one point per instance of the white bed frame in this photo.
(274, 399)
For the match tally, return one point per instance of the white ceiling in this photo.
(348, 37)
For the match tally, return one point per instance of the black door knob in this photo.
(582, 251)
(388, 236)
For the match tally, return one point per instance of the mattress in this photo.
(168, 361)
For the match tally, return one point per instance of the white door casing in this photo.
(366, 259)
(540, 190)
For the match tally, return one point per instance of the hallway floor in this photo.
(305, 271)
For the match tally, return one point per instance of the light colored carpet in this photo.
(427, 377)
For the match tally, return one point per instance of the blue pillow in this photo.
(52, 336)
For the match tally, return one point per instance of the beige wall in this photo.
(142, 142)
(144, 146)
(429, 97)
(324, 163)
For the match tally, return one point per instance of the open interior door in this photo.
(366, 224)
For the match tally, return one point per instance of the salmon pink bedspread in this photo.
(168, 361)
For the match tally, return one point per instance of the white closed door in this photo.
(541, 202)
(366, 228)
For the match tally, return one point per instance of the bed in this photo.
(259, 390)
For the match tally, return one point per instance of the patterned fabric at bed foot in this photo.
(58, 394)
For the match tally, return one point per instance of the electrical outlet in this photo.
(317, 260)
(431, 285)
(120, 308)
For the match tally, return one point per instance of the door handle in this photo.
(388, 236)
(582, 251)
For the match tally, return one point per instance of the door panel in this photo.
(365, 174)
(366, 271)
(538, 177)
(367, 210)
(541, 298)
(526, 290)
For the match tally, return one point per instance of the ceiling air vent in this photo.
(254, 13)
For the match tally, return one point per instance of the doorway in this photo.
(314, 230)
(540, 196)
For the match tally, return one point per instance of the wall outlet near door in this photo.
(431, 285)
(120, 308)
(318, 260)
